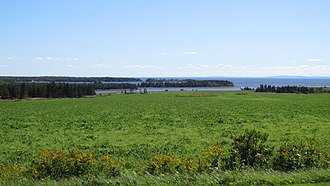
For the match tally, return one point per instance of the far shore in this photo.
(162, 89)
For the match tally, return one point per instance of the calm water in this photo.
(255, 82)
(244, 82)
(152, 89)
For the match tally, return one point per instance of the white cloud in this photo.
(71, 59)
(223, 65)
(47, 58)
(99, 66)
(190, 53)
(143, 66)
(56, 59)
(313, 59)
(52, 58)
(248, 67)
(10, 58)
(3, 66)
(164, 53)
(189, 66)
(205, 66)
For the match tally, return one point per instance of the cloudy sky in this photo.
(165, 37)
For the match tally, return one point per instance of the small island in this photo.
(151, 82)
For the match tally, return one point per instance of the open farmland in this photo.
(137, 127)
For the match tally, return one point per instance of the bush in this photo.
(250, 150)
(170, 164)
(247, 150)
(11, 171)
(109, 167)
(298, 156)
(215, 158)
(61, 164)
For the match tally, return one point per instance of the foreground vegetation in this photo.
(167, 138)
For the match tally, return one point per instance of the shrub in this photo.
(11, 171)
(249, 149)
(293, 157)
(170, 164)
(215, 158)
(109, 167)
(64, 164)
(60, 164)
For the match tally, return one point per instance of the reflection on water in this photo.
(162, 89)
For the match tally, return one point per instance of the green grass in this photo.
(299, 178)
(136, 127)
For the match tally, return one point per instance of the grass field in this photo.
(136, 127)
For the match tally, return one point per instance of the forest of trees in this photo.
(44, 90)
(63, 79)
(291, 89)
(185, 83)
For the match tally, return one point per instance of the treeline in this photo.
(64, 79)
(185, 83)
(44, 90)
(291, 89)
(103, 86)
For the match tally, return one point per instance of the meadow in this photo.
(136, 128)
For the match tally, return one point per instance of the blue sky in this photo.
(165, 38)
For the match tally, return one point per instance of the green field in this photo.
(136, 127)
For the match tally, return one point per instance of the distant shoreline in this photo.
(309, 81)
(170, 89)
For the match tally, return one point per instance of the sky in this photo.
(165, 38)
